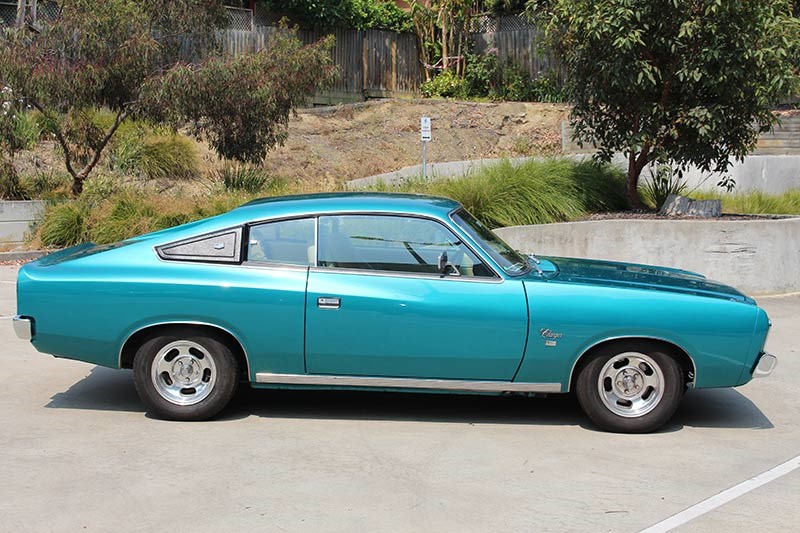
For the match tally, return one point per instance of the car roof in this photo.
(309, 205)
(347, 202)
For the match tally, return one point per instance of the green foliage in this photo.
(661, 183)
(446, 85)
(755, 202)
(63, 225)
(52, 185)
(241, 105)
(358, 14)
(123, 55)
(25, 131)
(678, 80)
(154, 156)
(534, 192)
(248, 178)
(10, 187)
(485, 76)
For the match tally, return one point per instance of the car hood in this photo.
(631, 275)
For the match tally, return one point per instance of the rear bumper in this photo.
(23, 327)
(765, 364)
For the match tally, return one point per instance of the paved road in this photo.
(77, 452)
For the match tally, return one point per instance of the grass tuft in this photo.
(155, 156)
(755, 202)
(535, 192)
(249, 179)
(64, 225)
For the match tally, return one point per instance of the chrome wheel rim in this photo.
(631, 384)
(183, 372)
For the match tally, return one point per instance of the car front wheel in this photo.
(630, 388)
(183, 375)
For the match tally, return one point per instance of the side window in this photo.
(393, 243)
(285, 241)
(220, 247)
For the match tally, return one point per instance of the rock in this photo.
(676, 205)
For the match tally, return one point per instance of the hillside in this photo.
(328, 146)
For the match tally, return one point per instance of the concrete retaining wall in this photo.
(773, 174)
(756, 256)
(16, 219)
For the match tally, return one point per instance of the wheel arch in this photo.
(678, 352)
(135, 340)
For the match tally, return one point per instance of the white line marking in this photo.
(784, 295)
(4, 281)
(6, 317)
(724, 497)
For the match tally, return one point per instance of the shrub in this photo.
(155, 156)
(63, 225)
(50, 185)
(486, 76)
(27, 130)
(532, 193)
(247, 178)
(447, 85)
(663, 182)
(124, 216)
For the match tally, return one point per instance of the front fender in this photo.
(567, 320)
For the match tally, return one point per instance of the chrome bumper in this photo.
(765, 365)
(23, 327)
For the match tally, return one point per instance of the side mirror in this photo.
(442, 262)
(445, 267)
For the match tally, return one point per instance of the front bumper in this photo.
(765, 364)
(23, 327)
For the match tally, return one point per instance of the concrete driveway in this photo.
(77, 452)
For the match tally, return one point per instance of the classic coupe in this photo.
(388, 292)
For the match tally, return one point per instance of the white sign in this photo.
(425, 128)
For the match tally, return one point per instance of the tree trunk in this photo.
(636, 163)
(77, 185)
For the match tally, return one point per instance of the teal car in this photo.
(388, 292)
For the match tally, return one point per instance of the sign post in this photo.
(425, 136)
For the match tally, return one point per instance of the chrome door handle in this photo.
(328, 303)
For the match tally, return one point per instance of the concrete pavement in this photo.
(78, 453)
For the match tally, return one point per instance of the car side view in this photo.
(389, 292)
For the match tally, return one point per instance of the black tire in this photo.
(204, 361)
(640, 366)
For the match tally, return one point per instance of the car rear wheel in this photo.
(631, 387)
(184, 375)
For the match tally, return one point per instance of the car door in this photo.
(377, 304)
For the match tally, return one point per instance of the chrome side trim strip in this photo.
(23, 327)
(406, 383)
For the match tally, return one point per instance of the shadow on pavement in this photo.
(104, 389)
(112, 390)
(718, 408)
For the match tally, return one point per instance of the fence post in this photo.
(394, 63)
(364, 63)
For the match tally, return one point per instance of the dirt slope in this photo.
(329, 146)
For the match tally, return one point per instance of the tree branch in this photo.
(59, 137)
(121, 116)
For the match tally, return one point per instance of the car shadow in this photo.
(718, 408)
(107, 389)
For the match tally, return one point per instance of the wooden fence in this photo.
(514, 39)
(371, 63)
